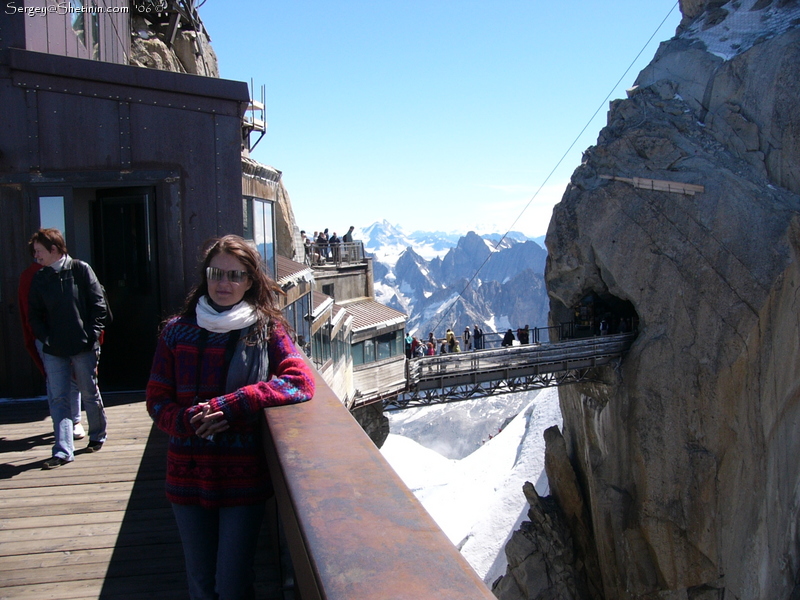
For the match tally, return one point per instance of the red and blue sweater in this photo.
(231, 470)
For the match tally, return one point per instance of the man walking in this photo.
(35, 349)
(67, 312)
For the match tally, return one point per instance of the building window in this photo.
(259, 226)
(95, 32)
(327, 289)
(51, 213)
(322, 346)
(297, 314)
(379, 348)
(78, 21)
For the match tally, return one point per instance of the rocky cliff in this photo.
(685, 464)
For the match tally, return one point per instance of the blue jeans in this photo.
(74, 394)
(219, 546)
(59, 370)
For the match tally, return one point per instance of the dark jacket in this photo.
(67, 308)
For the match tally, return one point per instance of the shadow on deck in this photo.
(100, 527)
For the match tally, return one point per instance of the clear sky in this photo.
(435, 114)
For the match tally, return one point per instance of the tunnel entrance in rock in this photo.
(603, 314)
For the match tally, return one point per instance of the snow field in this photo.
(477, 500)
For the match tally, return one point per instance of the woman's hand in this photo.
(210, 422)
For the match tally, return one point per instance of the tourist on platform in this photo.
(348, 237)
(322, 244)
(478, 335)
(450, 338)
(604, 326)
(223, 359)
(524, 335)
(34, 347)
(67, 312)
(431, 351)
(334, 244)
(467, 338)
(307, 248)
(508, 339)
(409, 340)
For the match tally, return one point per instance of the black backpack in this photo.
(80, 267)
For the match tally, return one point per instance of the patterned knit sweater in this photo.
(231, 470)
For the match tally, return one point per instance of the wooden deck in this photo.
(99, 527)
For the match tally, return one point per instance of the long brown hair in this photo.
(262, 295)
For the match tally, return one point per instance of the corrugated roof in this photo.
(290, 271)
(319, 302)
(369, 313)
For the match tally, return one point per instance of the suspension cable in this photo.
(553, 170)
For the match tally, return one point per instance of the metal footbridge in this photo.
(467, 375)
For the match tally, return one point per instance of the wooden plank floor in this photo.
(99, 527)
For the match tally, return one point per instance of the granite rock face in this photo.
(686, 458)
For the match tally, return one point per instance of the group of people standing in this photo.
(474, 339)
(323, 246)
(416, 348)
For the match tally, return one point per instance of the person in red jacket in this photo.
(223, 359)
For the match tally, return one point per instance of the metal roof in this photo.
(368, 314)
(290, 271)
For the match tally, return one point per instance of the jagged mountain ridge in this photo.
(410, 275)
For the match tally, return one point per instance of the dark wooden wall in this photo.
(85, 124)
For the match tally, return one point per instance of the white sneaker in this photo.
(77, 432)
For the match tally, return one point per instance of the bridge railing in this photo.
(559, 354)
(355, 531)
(342, 253)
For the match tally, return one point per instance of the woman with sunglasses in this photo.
(223, 359)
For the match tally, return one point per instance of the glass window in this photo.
(78, 23)
(385, 345)
(358, 353)
(95, 32)
(369, 351)
(290, 314)
(51, 213)
(258, 226)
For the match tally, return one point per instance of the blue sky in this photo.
(434, 115)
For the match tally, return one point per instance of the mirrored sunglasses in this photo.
(215, 274)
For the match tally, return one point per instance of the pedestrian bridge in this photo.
(468, 375)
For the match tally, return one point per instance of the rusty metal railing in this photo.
(354, 530)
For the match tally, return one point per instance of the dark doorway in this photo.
(125, 260)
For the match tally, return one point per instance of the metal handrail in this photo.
(355, 531)
(342, 253)
(503, 359)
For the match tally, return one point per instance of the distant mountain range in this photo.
(451, 280)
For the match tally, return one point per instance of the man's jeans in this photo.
(74, 394)
(59, 372)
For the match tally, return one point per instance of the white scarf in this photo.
(238, 317)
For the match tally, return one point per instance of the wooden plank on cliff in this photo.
(659, 185)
